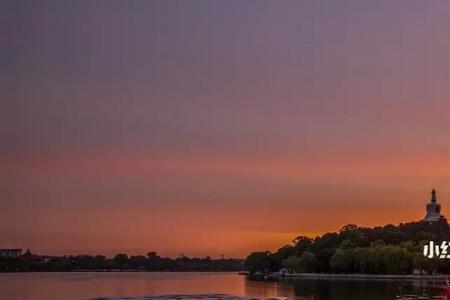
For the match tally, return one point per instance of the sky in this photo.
(218, 127)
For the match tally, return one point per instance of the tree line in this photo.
(122, 262)
(381, 250)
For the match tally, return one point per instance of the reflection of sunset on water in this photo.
(140, 285)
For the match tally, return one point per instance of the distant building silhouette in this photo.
(10, 252)
(433, 209)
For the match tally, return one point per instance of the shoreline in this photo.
(359, 276)
(275, 275)
(113, 271)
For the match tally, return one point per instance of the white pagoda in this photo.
(433, 209)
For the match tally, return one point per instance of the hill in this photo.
(380, 250)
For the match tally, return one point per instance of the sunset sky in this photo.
(218, 127)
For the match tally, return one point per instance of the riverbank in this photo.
(360, 276)
(122, 271)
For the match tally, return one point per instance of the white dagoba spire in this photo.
(433, 209)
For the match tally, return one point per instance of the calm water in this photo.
(71, 286)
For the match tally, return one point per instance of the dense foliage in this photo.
(151, 262)
(380, 250)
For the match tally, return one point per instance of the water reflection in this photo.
(268, 289)
(76, 286)
(323, 289)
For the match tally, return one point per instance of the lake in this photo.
(76, 286)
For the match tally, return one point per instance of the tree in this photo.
(121, 261)
(283, 253)
(258, 261)
(348, 227)
(307, 262)
(342, 261)
(292, 263)
(152, 254)
(302, 243)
